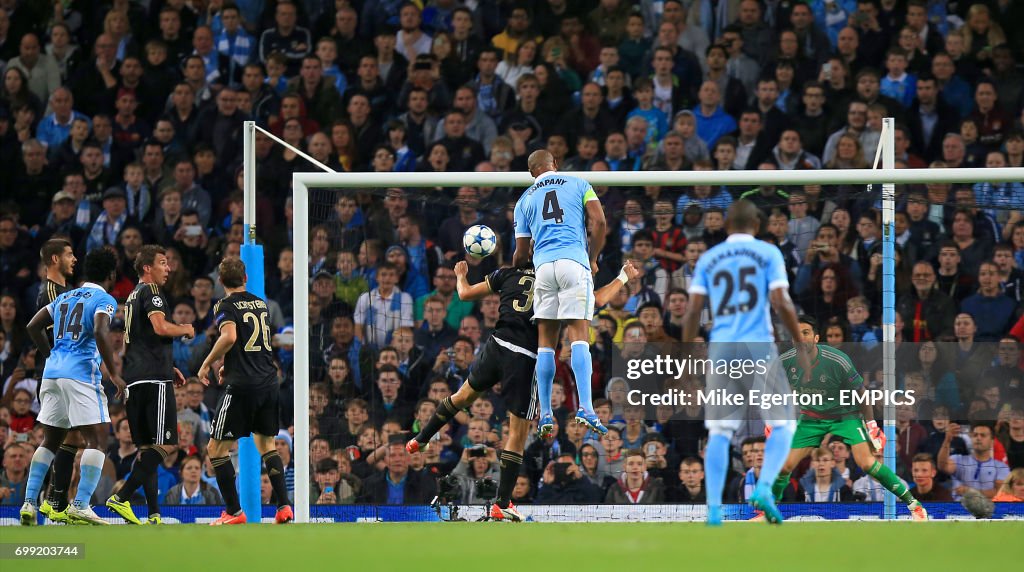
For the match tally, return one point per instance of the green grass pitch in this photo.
(959, 546)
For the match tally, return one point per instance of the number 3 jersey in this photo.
(552, 211)
(515, 288)
(250, 362)
(147, 356)
(736, 276)
(74, 353)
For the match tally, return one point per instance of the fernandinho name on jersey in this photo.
(833, 378)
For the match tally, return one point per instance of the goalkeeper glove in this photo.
(876, 434)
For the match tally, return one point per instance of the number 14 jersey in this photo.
(736, 276)
(74, 354)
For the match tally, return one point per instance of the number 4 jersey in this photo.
(74, 353)
(250, 362)
(552, 212)
(736, 276)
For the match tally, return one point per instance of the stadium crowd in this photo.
(121, 125)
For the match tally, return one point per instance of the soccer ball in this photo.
(479, 241)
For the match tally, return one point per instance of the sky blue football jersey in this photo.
(552, 212)
(736, 276)
(74, 354)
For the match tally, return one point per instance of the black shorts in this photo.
(244, 410)
(152, 413)
(515, 372)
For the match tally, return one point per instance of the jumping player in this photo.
(71, 394)
(508, 357)
(833, 374)
(249, 404)
(552, 214)
(743, 278)
(149, 371)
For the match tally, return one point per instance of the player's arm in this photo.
(106, 349)
(37, 330)
(523, 254)
(945, 461)
(469, 292)
(521, 257)
(166, 329)
(226, 339)
(598, 226)
(609, 290)
(691, 319)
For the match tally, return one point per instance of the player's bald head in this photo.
(540, 161)
(743, 217)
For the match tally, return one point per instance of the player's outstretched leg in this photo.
(884, 475)
(776, 451)
(717, 465)
(445, 412)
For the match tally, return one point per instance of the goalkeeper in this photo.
(833, 374)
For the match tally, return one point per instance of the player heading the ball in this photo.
(552, 214)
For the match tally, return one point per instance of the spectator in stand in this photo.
(1013, 489)
(994, 311)
(824, 482)
(926, 489)
(286, 37)
(978, 470)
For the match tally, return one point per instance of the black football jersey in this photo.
(250, 362)
(48, 292)
(147, 356)
(515, 287)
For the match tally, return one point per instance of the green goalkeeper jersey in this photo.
(833, 378)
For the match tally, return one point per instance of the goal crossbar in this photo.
(675, 178)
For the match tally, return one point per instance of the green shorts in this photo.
(810, 432)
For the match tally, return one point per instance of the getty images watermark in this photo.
(746, 375)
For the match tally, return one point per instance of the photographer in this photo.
(477, 462)
(562, 483)
(636, 485)
(659, 461)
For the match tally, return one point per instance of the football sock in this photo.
(226, 481)
(545, 378)
(716, 458)
(90, 467)
(442, 415)
(510, 462)
(152, 491)
(776, 449)
(583, 369)
(41, 460)
(891, 482)
(145, 465)
(780, 484)
(60, 480)
(275, 470)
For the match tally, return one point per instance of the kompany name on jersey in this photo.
(544, 183)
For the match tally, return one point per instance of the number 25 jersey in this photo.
(736, 276)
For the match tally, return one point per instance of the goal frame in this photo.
(303, 182)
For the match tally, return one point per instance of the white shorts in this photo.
(563, 290)
(68, 403)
